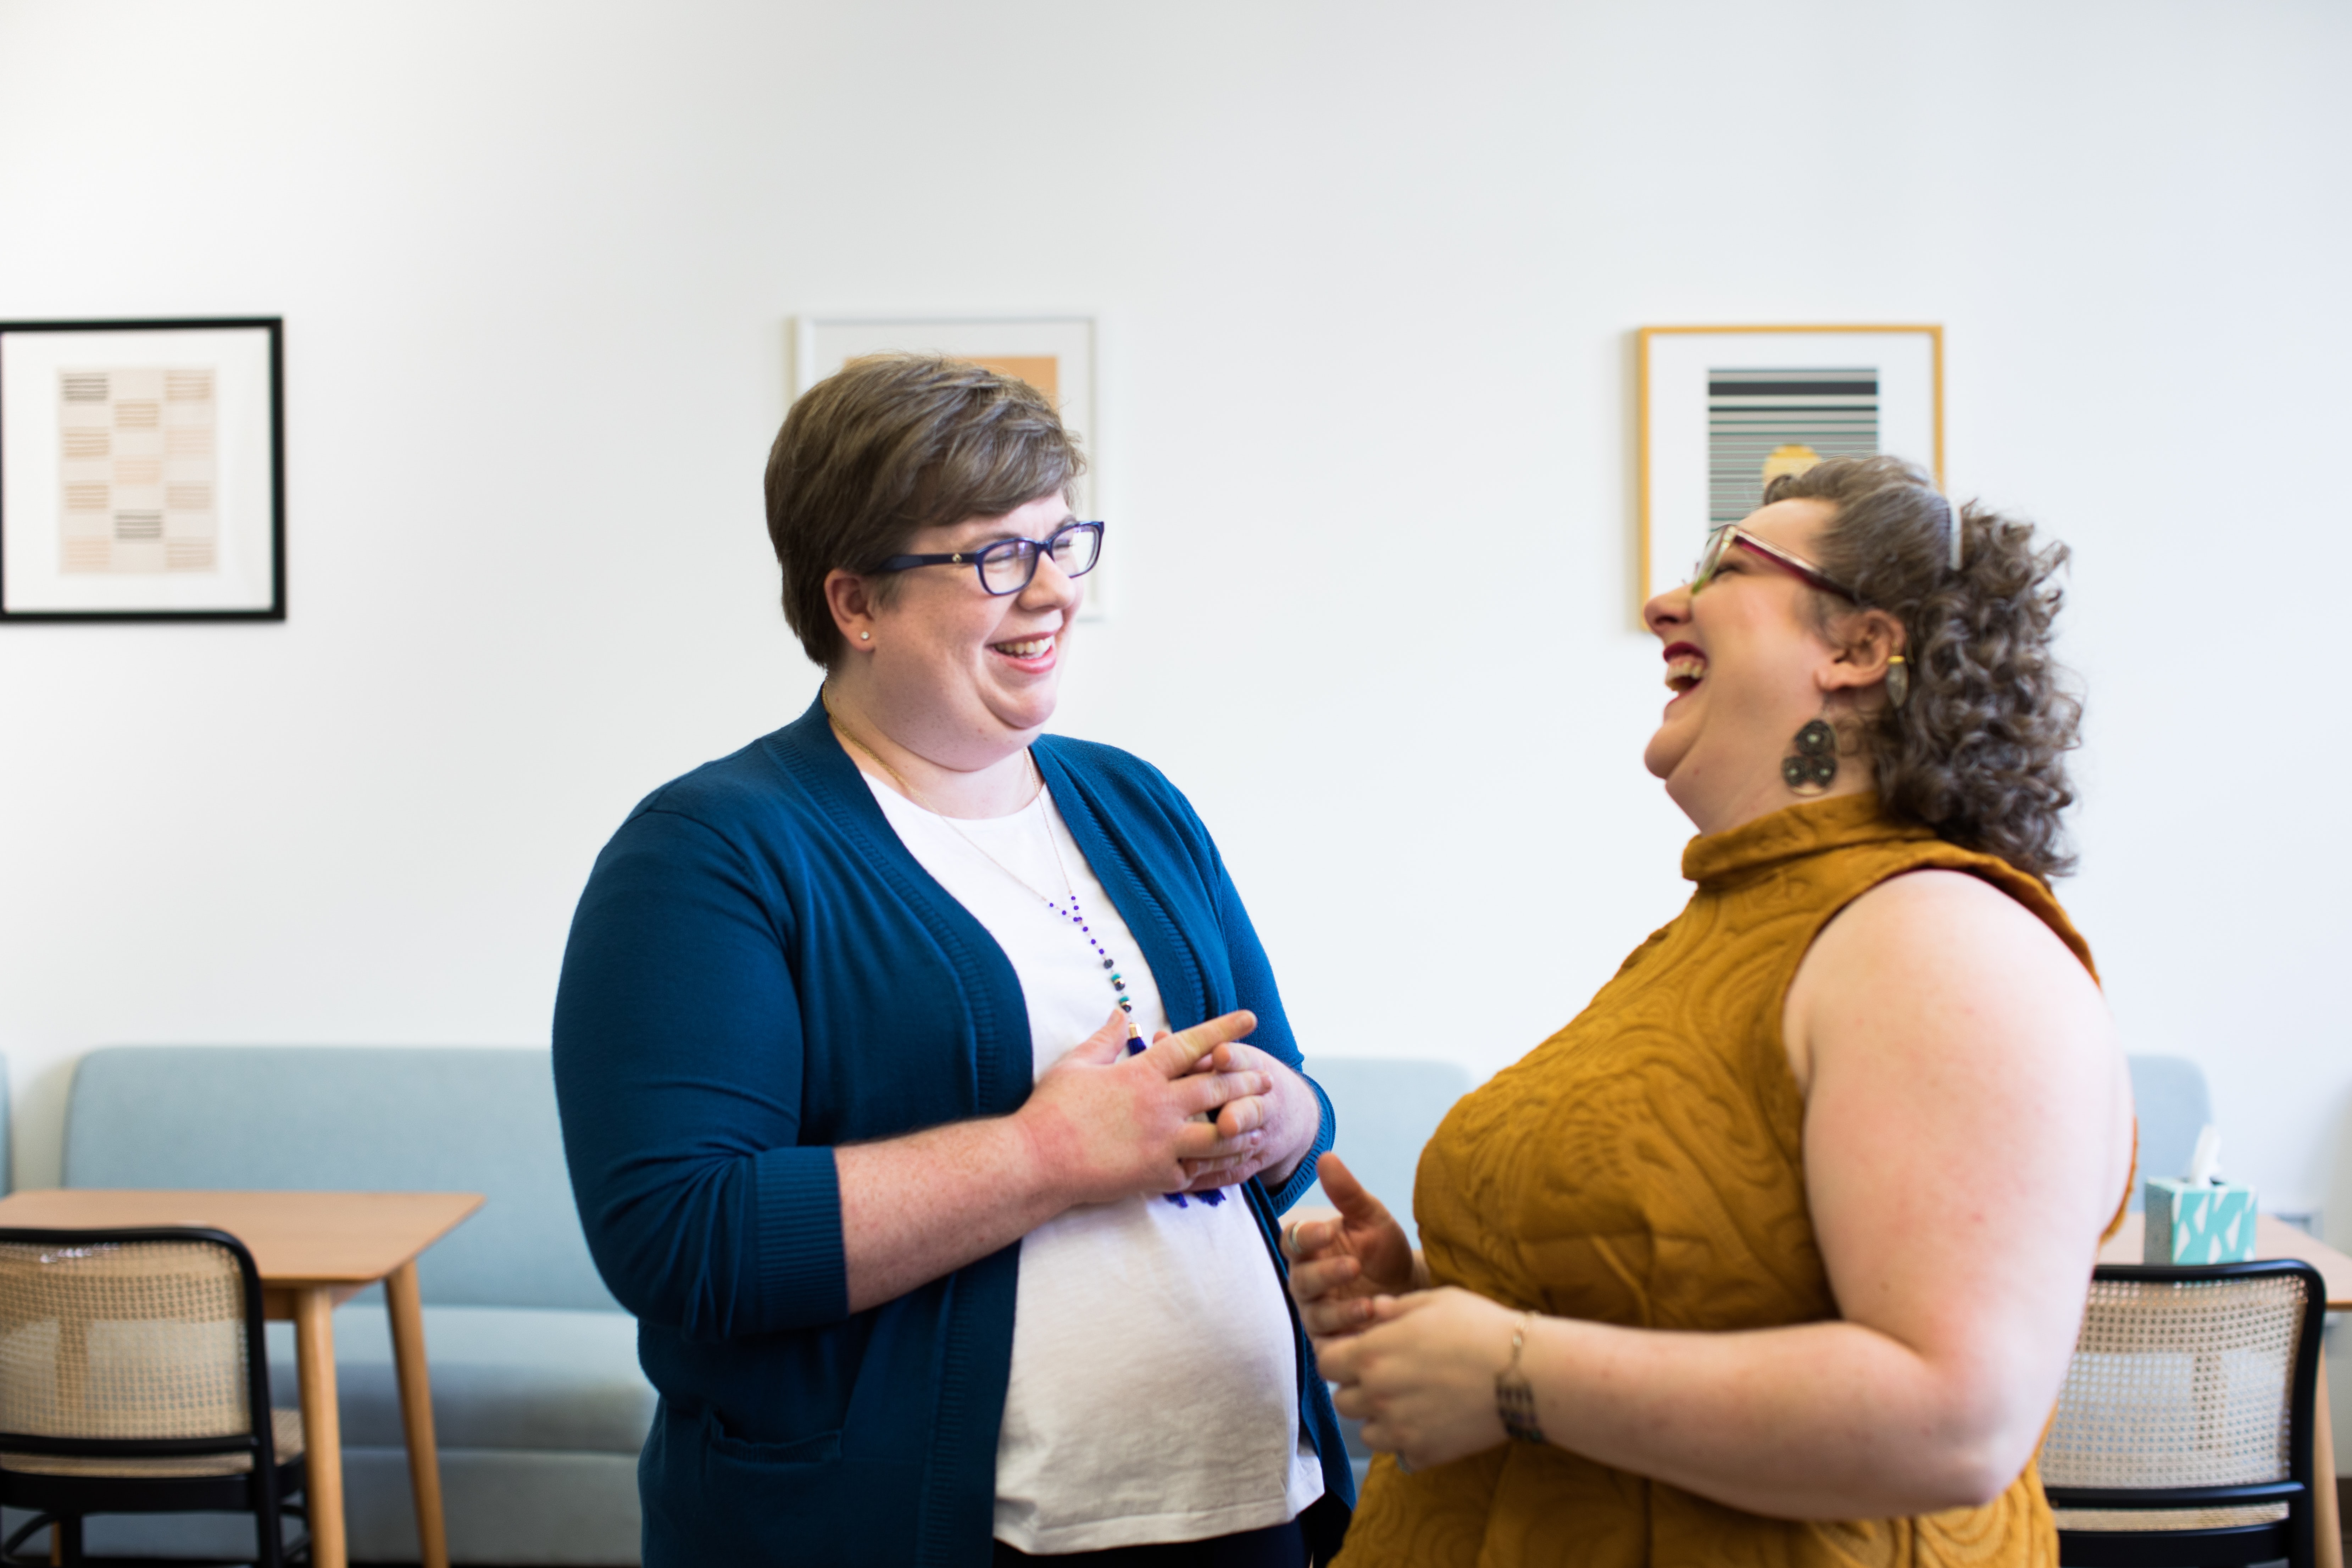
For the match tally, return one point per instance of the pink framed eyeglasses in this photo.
(1724, 537)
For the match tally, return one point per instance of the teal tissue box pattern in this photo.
(2198, 1223)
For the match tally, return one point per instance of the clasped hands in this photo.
(1115, 1125)
(1415, 1365)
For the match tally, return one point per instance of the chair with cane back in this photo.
(134, 1379)
(2183, 1436)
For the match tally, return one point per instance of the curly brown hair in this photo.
(1978, 750)
(892, 443)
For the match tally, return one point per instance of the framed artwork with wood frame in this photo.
(1055, 355)
(143, 470)
(1722, 410)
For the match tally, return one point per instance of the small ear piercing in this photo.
(866, 637)
(1898, 679)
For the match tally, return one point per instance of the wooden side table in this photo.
(314, 1251)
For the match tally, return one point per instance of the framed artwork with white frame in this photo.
(143, 470)
(1055, 355)
(1722, 410)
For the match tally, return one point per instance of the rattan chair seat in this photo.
(2169, 1517)
(285, 1433)
(120, 1342)
(2177, 1385)
(2187, 1382)
(138, 1340)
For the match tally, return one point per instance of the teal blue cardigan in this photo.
(758, 971)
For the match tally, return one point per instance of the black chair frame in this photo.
(2292, 1538)
(63, 1501)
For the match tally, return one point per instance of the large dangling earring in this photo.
(1898, 679)
(1813, 765)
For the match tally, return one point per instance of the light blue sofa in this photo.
(537, 1400)
(1388, 1109)
(2173, 1105)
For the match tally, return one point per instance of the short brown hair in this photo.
(1979, 752)
(891, 443)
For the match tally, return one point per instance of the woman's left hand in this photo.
(1270, 1132)
(1421, 1378)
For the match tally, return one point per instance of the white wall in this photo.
(1365, 274)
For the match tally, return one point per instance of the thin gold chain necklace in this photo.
(1073, 914)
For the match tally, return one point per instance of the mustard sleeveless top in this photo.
(1645, 1166)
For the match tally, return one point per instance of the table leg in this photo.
(2326, 1523)
(322, 1435)
(417, 1413)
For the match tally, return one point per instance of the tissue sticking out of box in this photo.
(2198, 1217)
(2205, 1164)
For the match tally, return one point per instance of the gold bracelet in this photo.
(1515, 1399)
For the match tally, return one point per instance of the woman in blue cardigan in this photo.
(902, 1063)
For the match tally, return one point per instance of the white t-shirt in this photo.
(1154, 1394)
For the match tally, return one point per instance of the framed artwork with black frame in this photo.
(1722, 410)
(143, 470)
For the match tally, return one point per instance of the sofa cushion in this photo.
(504, 1506)
(355, 1119)
(539, 1405)
(503, 1378)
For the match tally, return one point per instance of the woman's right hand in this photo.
(1107, 1125)
(1338, 1265)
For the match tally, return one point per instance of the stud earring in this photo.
(1810, 769)
(1898, 679)
(866, 637)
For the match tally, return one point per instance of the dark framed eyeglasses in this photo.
(1007, 565)
(1721, 539)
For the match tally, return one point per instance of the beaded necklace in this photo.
(1073, 914)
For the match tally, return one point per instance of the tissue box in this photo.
(2201, 1222)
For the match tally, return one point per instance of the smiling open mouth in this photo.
(1685, 667)
(1028, 647)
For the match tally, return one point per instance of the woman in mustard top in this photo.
(1776, 1254)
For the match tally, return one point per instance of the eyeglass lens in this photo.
(1007, 565)
(1710, 557)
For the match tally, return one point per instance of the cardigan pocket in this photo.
(822, 1448)
(712, 1497)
